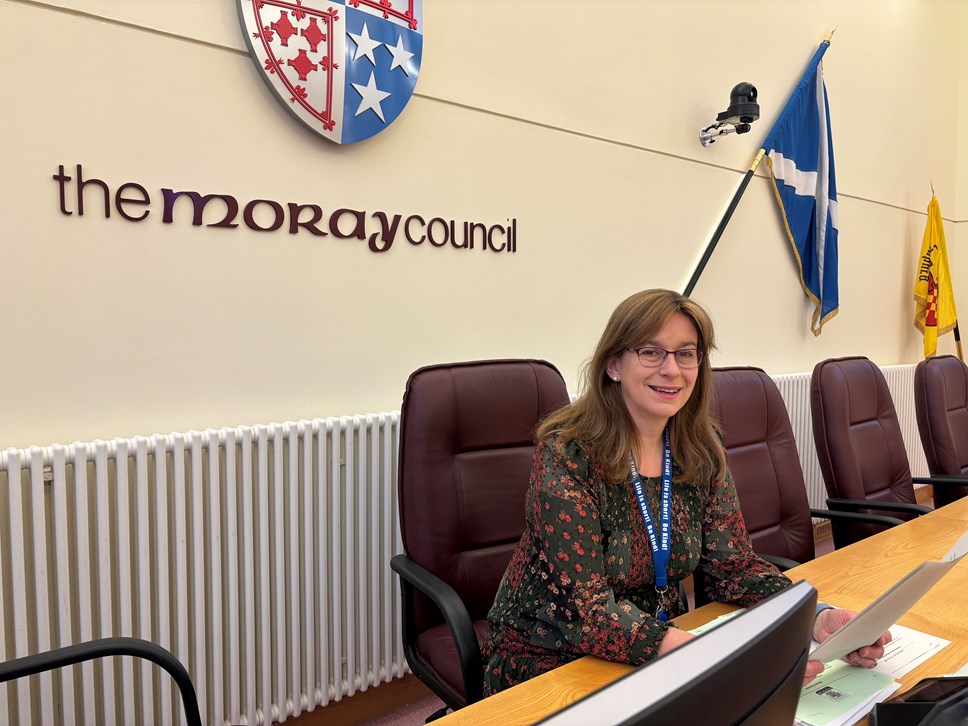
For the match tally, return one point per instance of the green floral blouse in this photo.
(581, 580)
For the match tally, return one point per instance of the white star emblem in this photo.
(365, 45)
(371, 98)
(400, 55)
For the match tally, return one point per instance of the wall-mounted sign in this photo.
(81, 194)
(344, 68)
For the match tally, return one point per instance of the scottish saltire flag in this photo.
(344, 68)
(800, 154)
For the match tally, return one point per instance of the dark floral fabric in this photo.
(581, 580)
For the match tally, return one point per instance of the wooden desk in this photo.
(850, 578)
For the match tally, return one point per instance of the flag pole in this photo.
(721, 227)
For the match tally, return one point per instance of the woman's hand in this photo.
(826, 624)
(673, 639)
(814, 669)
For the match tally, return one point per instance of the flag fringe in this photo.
(816, 322)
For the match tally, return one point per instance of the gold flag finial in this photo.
(932, 187)
(827, 39)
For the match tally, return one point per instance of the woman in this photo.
(629, 495)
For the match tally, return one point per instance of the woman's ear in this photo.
(611, 369)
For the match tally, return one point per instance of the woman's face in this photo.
(653, 395)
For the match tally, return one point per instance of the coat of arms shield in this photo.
(344, 68)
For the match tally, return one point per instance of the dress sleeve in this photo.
(733, 572)
(581, 614)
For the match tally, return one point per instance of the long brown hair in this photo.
(599, 420)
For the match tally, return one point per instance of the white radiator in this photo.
(795, 390)
(258, 556)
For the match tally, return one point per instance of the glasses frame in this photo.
(699, 356)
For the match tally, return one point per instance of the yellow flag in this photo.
(934, 312)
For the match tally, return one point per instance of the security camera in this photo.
(743, 110)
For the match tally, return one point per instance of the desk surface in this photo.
(849, 578)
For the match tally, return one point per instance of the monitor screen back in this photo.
(748, 670)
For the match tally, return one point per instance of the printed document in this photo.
(881, 614)
(842, 694)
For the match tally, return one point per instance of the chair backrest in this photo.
(941, 405)
(466, 449)
(859, 443)
(764, 461)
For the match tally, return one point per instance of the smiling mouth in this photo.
(667, 391)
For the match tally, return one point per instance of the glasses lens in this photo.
(688, 358)
(651, 356)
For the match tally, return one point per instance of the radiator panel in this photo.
(257, 555)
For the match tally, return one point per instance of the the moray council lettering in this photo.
(380, 230)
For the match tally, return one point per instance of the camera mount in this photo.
(743, 110)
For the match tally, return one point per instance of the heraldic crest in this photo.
(344, 68)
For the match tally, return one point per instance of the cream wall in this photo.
(579, 120)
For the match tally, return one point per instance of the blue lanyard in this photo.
(660, 543)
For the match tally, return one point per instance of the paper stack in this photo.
(842, 694)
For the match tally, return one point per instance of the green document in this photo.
(837, 691)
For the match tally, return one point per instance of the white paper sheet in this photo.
(959, 549)
(907, 650)
(881, 614)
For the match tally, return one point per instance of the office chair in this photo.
(859, 443)
(765, 465)
(466, 449)
(69, 655)
(941, 405)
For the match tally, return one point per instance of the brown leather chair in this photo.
(941, 405)
(859, 443)
(765, 465)
(466, 448)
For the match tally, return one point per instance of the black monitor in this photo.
(749, 670)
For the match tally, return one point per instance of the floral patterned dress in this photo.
(581, 580)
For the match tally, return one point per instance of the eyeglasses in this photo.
(655, 357)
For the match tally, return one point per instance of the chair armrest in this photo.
(783, 563)
(843, 505)
(455, 615)
(856, 517)
(838, 519)
(942, 480)
(29, 665)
